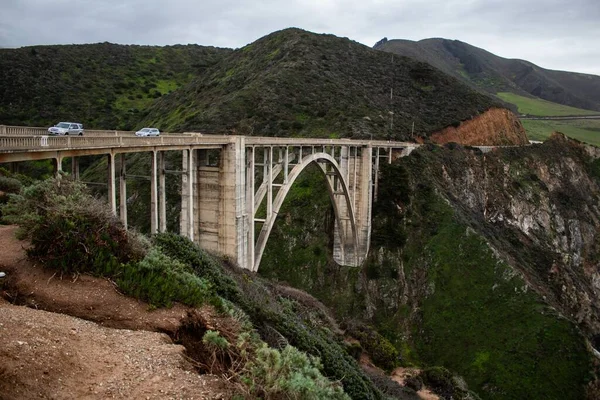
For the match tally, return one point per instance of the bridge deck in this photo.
(35, 146)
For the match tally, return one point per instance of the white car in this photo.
(148, 132)
(66, 128)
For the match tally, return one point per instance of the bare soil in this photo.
(78, 337)
(495, 127)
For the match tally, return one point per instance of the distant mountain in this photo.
(482, 69)
(102, 85)
(297, 83)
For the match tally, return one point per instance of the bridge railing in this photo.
(292, 141)
(8, 130)
(41, 143)
(22, 130)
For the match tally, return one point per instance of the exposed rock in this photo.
(495, 127)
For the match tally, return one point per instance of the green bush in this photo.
(448, 386)
(204, 265)
(288, 374)
(160, 281)
(9, 185)
(69, 229)
(382, 352)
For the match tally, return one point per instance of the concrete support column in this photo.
(250, 209)
(232, 188)
(162, 194)
(112, 192)
(75, 168)
(344, 151)
(376, 183)
(191, 168)
(183, 217)
(123, 189)
(363, 213)
(269, 180)
(57, 165)
(188, 182)
(286, 164)
(343, 243)
(153, 194)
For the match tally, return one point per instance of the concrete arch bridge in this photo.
(232, 186)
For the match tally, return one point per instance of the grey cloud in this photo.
(554, 34)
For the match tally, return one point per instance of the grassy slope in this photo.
(297, 83)
(541, 108)
(587, 131)
(101, 85)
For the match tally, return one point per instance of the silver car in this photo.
(148, 132)
(66, 128)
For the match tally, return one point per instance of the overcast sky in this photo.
(554, 34)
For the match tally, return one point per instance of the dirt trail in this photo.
(50, 355)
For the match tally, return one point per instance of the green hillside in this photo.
(482, 69)
(101, 85)
(541, 108)
(297, 83)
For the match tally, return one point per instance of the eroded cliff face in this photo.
(487, 264)
(495, 127)
(539, 207)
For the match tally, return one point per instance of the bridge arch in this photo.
(324, 160)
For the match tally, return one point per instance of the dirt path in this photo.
(50, 355)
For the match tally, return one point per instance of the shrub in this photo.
(204, 265)
(302, 333)
(439, 380)
(9, 185)
(69, 229)
(160, 280)
(382, 352)
(288, 374)
(217, 345)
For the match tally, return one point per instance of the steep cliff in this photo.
(495, 127)
(486, 264)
